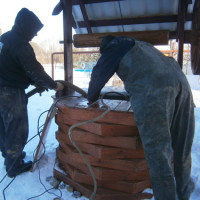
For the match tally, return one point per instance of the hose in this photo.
(79, 150)
(73, 87)
(65, 83)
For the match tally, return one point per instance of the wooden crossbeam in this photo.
(93, 40)
(77, 2)
(131, 21)
(187, 36)
(182, 8)
(85, 16)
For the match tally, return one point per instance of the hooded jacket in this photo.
(18, 64)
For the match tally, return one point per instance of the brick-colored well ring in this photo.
(111, 145)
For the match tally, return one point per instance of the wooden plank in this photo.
(131, 165)
(123, 186)
(102, 193)
(103, 154)
(182, 8)
(106, 175)
(124, 105)
(67, 26)
(70, 101)
(77, 2)
(103, 129)
(93, 40)
(195, 42)
(85, 15)
(135, 20)
(86, 137)
(40, 148)
(123, 118)
(113, 104)
(128, 187)
(100, 151)
(85, 148)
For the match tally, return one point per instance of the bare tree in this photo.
(81, 58)
(51, 46)
(39, 52)
(45, 49)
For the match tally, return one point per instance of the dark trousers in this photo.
(166, 126)
(13, 124)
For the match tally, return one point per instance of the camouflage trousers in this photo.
(166, 126)
(13, 123)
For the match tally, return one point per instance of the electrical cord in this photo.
(70, 136)
(19, 155)
(37, 161)
(38, 134)
(46, 190)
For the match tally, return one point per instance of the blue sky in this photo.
(53, 25)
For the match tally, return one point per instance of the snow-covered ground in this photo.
(29, 184)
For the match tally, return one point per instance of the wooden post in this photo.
(181, 22)
(67, 26)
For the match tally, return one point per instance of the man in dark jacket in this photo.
(18, 69)
(163, 109)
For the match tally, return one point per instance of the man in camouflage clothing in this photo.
(163, 109)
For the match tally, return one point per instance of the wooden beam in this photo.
(136, 20)
(67, 26)
(182, 8)
(93, 40)
(85, 16)
(195, 45)
(77, 2)
(187, 36)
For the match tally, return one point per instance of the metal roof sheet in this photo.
(123, 9)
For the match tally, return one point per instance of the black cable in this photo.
(38, 134)
(42, 194)
(7, 187)
(121, 14)
(46, 190)
(37, 161)
(25, 144)
(16, 160)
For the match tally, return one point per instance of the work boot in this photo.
(23, 155)
(19, 169)
(188, 191)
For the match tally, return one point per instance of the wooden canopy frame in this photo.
(93, 39)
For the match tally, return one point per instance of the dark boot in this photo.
(23, 155)
(19, 168)
(185, 195)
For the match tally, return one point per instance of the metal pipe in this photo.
(59, 53)
(89, 52)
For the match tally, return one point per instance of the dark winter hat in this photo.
(105, 41)
(27, 23)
